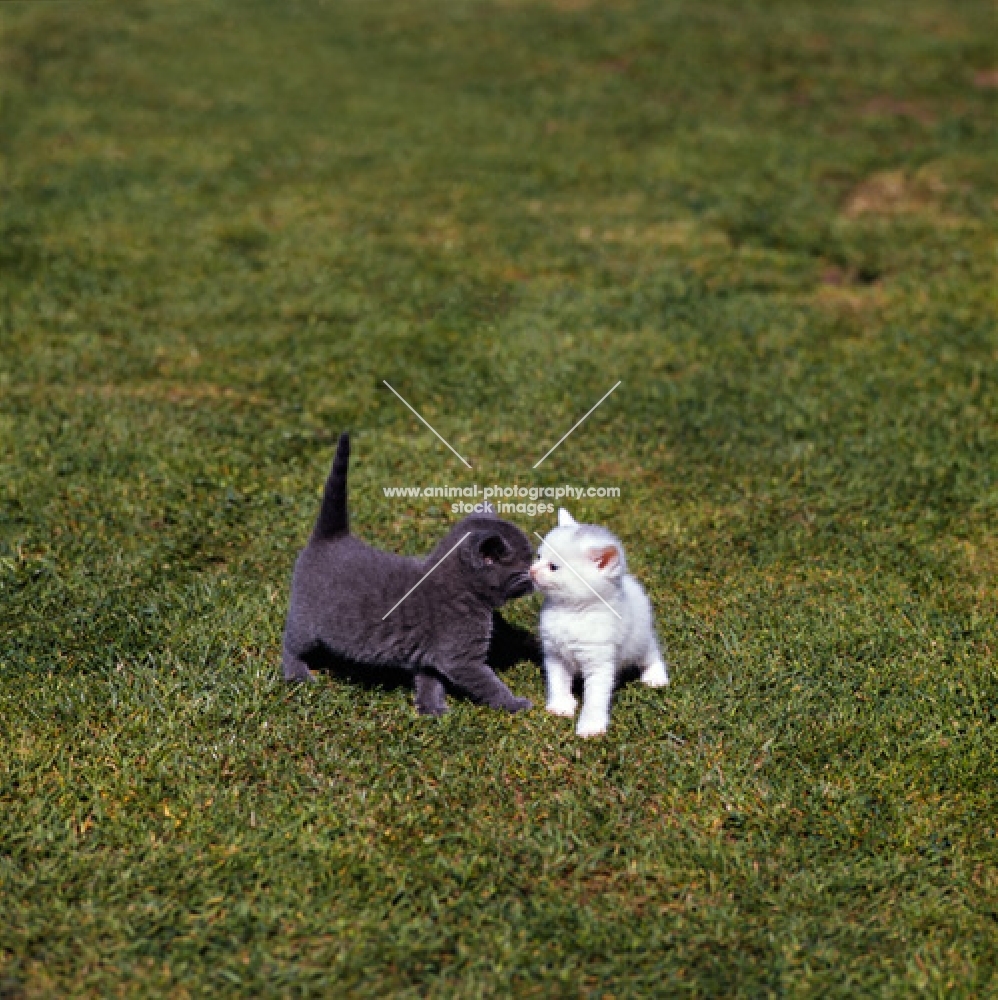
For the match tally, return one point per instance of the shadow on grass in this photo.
(510, 644)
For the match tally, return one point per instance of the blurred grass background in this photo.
(223, 224)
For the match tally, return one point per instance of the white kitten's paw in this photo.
(591, 727)
(655, 676)
(564, 707)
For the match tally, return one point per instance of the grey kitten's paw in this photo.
(520, 705)
(431, 711)
(431, 696)
(293, 667)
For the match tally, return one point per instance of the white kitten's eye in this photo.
(552, 566)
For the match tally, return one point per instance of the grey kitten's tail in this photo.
(333, 520)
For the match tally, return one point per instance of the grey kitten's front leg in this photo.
(479, 681)
(431, 696)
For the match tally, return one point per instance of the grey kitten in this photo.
(342, 588)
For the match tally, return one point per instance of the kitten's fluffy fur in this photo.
(580, 633)
(342, 588)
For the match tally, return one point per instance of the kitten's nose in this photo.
(533, 572)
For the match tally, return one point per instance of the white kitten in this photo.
(595, 621)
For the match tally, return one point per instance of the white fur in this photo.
(580, 628)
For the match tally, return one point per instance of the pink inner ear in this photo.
(604, 557)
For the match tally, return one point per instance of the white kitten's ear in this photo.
(606, 557)
(564, 518)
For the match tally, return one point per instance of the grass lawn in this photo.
(223, 224)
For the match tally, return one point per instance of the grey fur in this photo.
(341, 589)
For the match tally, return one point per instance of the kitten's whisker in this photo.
(430, 570)
(568, 566)
(558, 442)
(418, 417)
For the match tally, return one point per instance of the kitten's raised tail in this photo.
(333, 520)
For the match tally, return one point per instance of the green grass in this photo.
(223, 224)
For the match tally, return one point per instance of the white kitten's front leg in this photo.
(559, 683)
(594, 718)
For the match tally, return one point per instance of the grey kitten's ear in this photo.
(564, 518)
(606, 557)
(485, 548)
